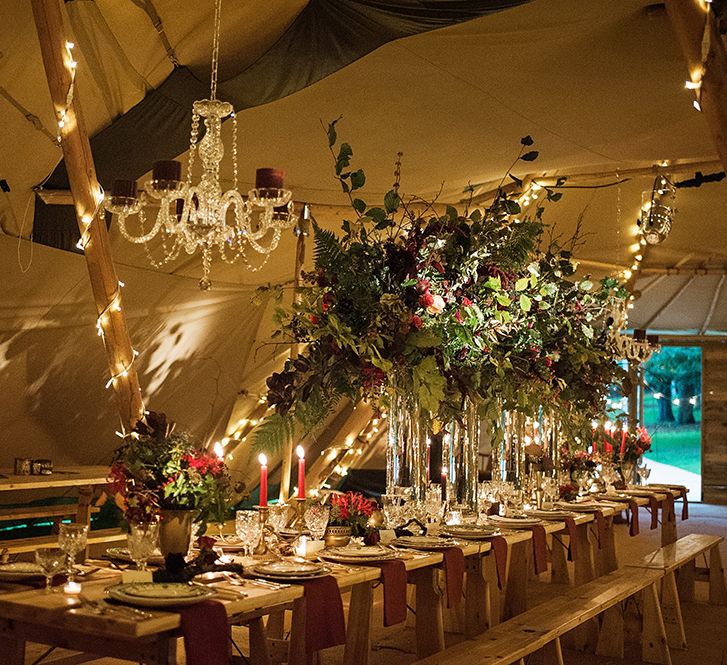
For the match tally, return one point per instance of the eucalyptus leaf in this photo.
(530, 156)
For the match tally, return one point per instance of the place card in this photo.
(386, 535)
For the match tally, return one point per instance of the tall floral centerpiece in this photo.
(425, 310)
(159, 473)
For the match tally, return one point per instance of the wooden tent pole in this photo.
(696, 30)
(301, 230)
(60, 72)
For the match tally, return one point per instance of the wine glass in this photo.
(316, 519)
(433, 502)
(142, 540)
(278, 516)
(247, 528)
(52, 560)
(72, 539)
(644, 473)
(486, 498)
(391, 505)
(627, 470)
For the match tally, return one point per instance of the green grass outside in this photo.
(676, 445)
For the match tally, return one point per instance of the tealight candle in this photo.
(72, 588)
(301, 547)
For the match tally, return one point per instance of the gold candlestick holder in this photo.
(299, 520)
(262, 547)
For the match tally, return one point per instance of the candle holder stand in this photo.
(261, 547)
(299, 521)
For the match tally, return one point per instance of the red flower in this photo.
(422, 285)
(466, 302)
(426, 299)
(416, 321)
(313, 319)
(458, 316)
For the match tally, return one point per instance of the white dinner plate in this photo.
(470, 532)
(365, 552)
(514, 522)
(122, 554)
(423, 542)
(383, 555)
(153, 594)
(554, 515)
(20, 570)
(288, 568)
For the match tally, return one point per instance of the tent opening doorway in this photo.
(672, 413)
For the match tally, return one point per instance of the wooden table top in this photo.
(64, 476)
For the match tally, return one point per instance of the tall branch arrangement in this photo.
(448, 306)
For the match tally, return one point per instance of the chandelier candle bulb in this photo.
(124, 189)
(263, 480)
(301, 472)
(167, 169)
(268, 178)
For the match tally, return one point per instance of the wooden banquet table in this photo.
(57, 619)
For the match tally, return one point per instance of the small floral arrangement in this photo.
(637, 443)
(158, 468)
(578, 460)
(351, 509)
(568, 492)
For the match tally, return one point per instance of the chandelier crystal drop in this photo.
(203, 216)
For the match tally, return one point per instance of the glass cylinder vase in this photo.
(508, 452)
(460, 455)
(406, 449)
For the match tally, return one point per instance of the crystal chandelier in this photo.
(203, 216)
(638, 348)
(657, 211)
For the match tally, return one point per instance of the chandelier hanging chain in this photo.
(198, 214)
(215, 49)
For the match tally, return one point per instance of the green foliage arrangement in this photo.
(159, 469)
(446, 306)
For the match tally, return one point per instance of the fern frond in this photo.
(272, 434)
(327, 251)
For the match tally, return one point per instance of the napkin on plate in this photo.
(206, 633)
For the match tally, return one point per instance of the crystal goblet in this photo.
(142, 540)
(52, 561)
(316, 519)
(72, 539)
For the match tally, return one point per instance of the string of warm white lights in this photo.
(697, 73)
(114, 303)
(71, 65)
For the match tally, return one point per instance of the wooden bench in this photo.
(540, 628)
(678, 561)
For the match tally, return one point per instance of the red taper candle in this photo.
(301, 472)
(624, 434)
(263, 480)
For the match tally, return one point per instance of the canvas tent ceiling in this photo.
(599, 85)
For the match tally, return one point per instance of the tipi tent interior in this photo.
(453, 86)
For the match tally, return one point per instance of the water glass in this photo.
(142, 540)
(52, 561)
(392, 506)
(72, 539)
(278, 516)
(316, 519)
(644, 473)
(247, 528)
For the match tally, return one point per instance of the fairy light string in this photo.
(114, 302)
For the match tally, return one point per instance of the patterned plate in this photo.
(150, 594)
(20, 570)
(423, 542)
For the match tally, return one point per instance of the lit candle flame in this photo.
(219, 450)
(300, 452)
(262, 459)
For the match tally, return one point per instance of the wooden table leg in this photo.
(672, 613)
(259, 653)
(477, 598)
(685, 581)
(606, 560)
(654, 646)
(297, 651)
(717, 590)
(494, 593)
(558, 564)
(583, 566)
(429, 627)
(668, 526)
(611, 634)
(276, 624)
(12, 651)
(358, 627)
(517, 579)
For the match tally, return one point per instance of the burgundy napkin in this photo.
(393, 575)
(654, 506)
(600, 527)
(206, 633)
(540, 549)
(570, 522)
(454, 574)
(634, 527)
(324, 623)
(499, 548)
